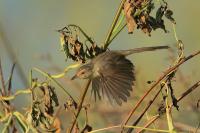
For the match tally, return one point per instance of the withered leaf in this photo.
(143, 24)
(65, 45)
(128, 11)
(147, 30)
(160, 13)
(93, 51)
(174, 99)
(150, 7)
(152, 22)
(168, 15)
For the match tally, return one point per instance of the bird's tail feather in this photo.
(143, 49)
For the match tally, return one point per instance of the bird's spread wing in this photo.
(116, 79)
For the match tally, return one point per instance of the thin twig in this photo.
(188, 91)
(80, 105)
(113, 24)
(168, 71)
(10, 79)
(3, 90)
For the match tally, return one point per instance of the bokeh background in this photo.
(28, 35)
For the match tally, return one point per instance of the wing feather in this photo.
(95, 88)
(116, 78)
(121, 88)
(112, 93)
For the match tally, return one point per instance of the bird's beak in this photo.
(74, 77)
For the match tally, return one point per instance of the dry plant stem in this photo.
(31, 77)
(115, 35)
(3, 89)
(13, 56)
(188, 91)
(184, 94)
(113, 24)
(80, 105)
(145, 110)
(10, 80)
(168, 71)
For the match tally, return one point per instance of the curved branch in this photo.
(184, 94)
(168, 71)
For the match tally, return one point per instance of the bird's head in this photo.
(83, 72)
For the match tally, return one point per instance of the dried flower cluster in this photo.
(74, 48)
(138, 15)
(44, 102)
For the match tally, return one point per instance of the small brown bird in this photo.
(112, 74)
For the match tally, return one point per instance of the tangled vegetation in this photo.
(43, 113)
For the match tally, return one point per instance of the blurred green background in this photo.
(29, 29)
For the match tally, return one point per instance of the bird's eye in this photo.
(83, 72)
